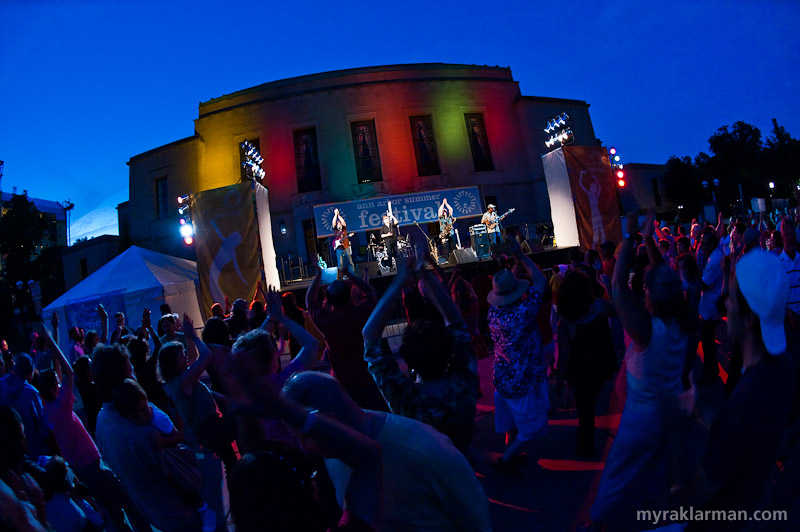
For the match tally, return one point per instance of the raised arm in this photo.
(54, 323)
(632, 312)
(312, 294)
(647, 235)
(580, 181)
(309, 353)
(441, 299)
(67, 375)
(362, 285)
(537, 275)
(101, 311)
(373, 329)
(193, 373)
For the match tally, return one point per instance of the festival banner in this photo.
(226, 241)
(594, 194)
(420, 207)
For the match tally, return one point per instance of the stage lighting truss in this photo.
(560, 131)
(185, 226)
(616, 166)
(252, 163)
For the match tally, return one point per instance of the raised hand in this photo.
(101, 311)
(188, 326)
(649, 222)
(274, 307)
(146, 319)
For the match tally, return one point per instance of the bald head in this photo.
(324, 393)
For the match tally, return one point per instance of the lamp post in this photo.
(771, 191)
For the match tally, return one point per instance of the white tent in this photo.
(136, 279)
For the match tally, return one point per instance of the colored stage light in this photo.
(621, 183)
(183, 199)
(188, 241)
(620, 174)
(186, 231)
(612, 151)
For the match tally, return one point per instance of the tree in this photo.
(22, 228)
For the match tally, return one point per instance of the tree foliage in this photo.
(22, 228)
(743, 163)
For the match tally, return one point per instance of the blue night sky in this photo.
(86, 85)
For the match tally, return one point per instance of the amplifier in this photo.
(477, 229)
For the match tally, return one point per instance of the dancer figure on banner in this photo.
(226, 254)
(593, 193)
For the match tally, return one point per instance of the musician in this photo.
(492, 222)
(341, 243)
(447, 232)
(389, 233)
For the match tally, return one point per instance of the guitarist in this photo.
(492, 222)
(341, 243)
(447, 232)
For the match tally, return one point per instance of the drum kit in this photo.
(379, 253)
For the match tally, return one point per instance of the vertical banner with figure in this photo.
(226, 242)
(595, 195)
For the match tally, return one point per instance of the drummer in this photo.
(389, 237)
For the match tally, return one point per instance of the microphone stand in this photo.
(431, 244)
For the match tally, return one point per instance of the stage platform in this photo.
(545, 259)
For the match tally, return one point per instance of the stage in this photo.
(380, 279)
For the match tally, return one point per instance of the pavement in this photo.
(556, 487)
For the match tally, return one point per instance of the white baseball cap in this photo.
(765, 287)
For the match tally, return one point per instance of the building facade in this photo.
(352, 134)
(84, 258)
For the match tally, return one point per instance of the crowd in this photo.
(133, 429)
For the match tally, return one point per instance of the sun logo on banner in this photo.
(327, 218)
(465, 202)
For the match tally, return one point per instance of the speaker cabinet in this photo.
(462, 256)
(480, 245)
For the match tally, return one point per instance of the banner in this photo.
(595, 195)
(226, 241)
(367, 214)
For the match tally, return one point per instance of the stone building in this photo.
(357, 133)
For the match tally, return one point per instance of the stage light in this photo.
(182, 199)
(621, 183)
(282, 226)
(771, 184)
(186, 230)
(616, 158)
(620, 174)
(182, 221)
(612, 151)
(183, 209)
(188, 241)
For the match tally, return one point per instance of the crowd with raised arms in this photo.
(146, 429)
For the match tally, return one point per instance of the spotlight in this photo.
(188, 241)
(771, 184)
(621, 183)
(183, 209)
(186, 230)
(612, 151)
(616, 158)
(183, 199)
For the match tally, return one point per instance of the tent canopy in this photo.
(136, 279)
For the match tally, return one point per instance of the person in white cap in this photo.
(746, 431)
(491, 220)
(520, 366)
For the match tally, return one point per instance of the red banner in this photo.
(595, 195)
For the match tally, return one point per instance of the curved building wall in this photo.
(330, 103)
